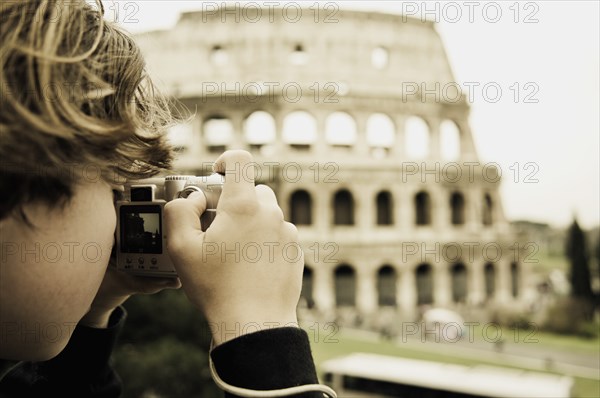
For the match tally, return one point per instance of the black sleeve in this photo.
(82, 369)
(267, 360)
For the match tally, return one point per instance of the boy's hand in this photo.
(245, 271)
(116, 288)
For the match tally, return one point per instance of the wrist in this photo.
(224, 331)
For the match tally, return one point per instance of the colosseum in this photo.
(355, 121)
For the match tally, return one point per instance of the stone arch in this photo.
(380, 134)
(457, 208)
(217, 133)
(301, 207)
(422, 208)
(489, 275)
(488, 210)
(514, 279)
(345, 285)
(384, 205)
(298, 56)
(307, 286)
(259, 129)
(299, 129)
(449, 140)
(386, 286)
(180, 136)
(218, 55)
(380, 57)
(458, 273)
(343, 208)
(417, 138)
(340, 129)
(424, 282)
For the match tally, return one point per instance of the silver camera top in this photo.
(141, 242)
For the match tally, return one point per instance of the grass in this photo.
(323, 350)
(545, 339)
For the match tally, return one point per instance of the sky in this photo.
(543, 129)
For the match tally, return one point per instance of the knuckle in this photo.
(264, 189)
(173, 206)
(244, 206)
(238, 155)
(290, 230)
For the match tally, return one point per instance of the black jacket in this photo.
(266, 360)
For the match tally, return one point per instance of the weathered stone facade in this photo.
(380, 226)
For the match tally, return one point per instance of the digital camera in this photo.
(141, 241)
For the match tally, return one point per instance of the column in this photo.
(472, 203)
(361, 147)
(238, 132)
(323, 288)
(366, 292)
(197, 146)
(441, 286)
(467, 146)
(398, 148)
(407, 290)
(440, 208)
(322, 210)
(434, 139)
(320, 145)
(476, 293)
(407, 209)
(364, 208)
(503, 291)
(399, 200)
(279, 145)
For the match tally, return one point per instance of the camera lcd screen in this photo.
(141, 229)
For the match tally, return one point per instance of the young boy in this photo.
(78, 117)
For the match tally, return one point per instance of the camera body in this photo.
(140, 239)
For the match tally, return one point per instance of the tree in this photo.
(576, 251)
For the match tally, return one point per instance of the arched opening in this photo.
(299, 130)
(345, 286)
(301, 208)
(459, 283)
(422, 209)
(298, 56)
(343, 208)
(417, 138)
(385, 210)
(307, 287)
(180, 136)
(218, 133)
(386, 286)
(457, 206)
(218, 55)
(488, 208)
(490, 280)
(380, 134)
(340, 129)
(449, 140)
(424, 281)
(259, 130)
(514, 279)
(380, 57)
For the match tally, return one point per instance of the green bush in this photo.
(512, 318)
(163, 350)
(571, 316)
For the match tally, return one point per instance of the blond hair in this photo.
(74, 92)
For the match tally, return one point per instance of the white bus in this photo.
(361, 375)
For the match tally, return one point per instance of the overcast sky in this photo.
(554, 59)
